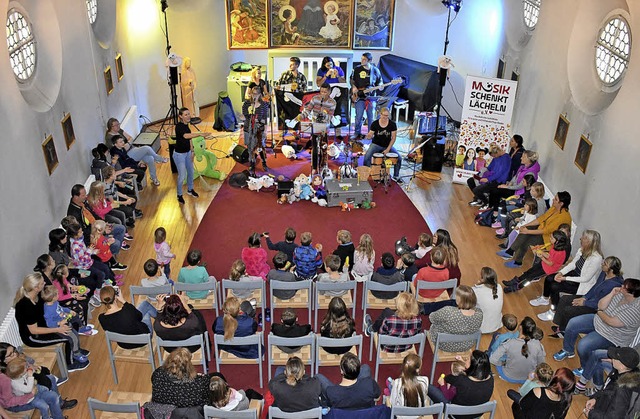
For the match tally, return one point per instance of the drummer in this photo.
(383, 135)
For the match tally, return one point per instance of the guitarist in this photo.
(364, 76)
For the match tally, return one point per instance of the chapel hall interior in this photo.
(554, 62)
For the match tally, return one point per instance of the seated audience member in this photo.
(32, 325)
(68, 295)
(55, 316)
(255, 257)
(528, 214)
(333, 274)
(464, 319)
(516, 185)
(539, 231)
(510, 212)
(509, 324)
(177, 383)
(292, 389)
(356, 390)
(337, 324)
(614, 324)
(122, 317)
(103, 208)
(404, 322)
(237, 321)
(387, 274)
(81, 256)
(552, 401)
(290, 328)
(238, 273)
(489, 295)
(363, 258)
(571, 306)
(407, 266)
(496, 173)
(345, 250)
(306, 258)
(435, 271)
(137, 157)
(442, 239)
(177, 320)
(577, 277)
(547, 262)
(223, 397)
(287, 246)
(411, 388)
(120, 200)
(282, 272)
(424, 246)
(458, 367)
(473, 387)
(100, 248)
(516, 358)
(194, 273)
(155, 276)
(45, 264)
(538, 378)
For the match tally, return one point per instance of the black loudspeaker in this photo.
(240, 154)
(284, 186)
(433, 154)
(173, 75)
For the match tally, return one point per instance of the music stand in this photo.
(413, 175)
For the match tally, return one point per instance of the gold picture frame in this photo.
(108, 80)
(119, 68)
(583, 153)
(67, 130)
(374, 23)
(50, 154)
(562, 129)
(247, 24)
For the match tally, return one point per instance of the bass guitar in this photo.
(362, 93)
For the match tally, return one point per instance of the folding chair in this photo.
(455, 409)
(442, 356)
(142, 354)
(434, 409)
(123, 410)
(211, 412)
(369, 301)
(315, 413)
(210, 302)
(224, 357)
(384, 357)
(451, 284)
(322, 301)
(302, 299)
(326, 359)
(50, 357)
(146, 292)
(278, 357)
(26, 414)
(258, 292)
(198, 357)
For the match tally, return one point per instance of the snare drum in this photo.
(377, 159)
(390, 159)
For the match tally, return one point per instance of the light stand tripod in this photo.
(172, 113)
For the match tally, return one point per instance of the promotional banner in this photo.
(486, 120)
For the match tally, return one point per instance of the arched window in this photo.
(92, 10)
(612, 50)
(531, 12)
(21, 45)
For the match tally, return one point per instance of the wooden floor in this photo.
(443, 205)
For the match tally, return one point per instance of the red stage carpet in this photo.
(235, 214)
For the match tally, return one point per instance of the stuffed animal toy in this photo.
(317, 184)
(200, 152)
(255, 184)
(292, 197)
(282, 199)
(306, 192)
(289, 152)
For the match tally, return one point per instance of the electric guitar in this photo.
(362, 93)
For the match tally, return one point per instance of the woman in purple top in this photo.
(517, 183)
(329, 73)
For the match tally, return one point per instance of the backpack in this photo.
(485, 218)
(225, 117)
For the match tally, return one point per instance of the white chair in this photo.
(278, 357)
(257, 288)
(449, 284)
(208, 303)
(384, 357)
(131, 408)
(136, 290)
(322, 301)
(198, 357)
(455, 409)
(224, 357)
(315, 413)
(442, 356)
(211, 412)
(434, 409)
(369, 301)
(142, 354)
(302, 299)
(324, 358)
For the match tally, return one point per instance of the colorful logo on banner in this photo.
(486, 120)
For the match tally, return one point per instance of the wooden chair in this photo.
(278, 357)
(143, 354)
(324, 358)
(384, 357)
(27, 414)
(119, 405)
(224, 357)
(315, 413)
(208, 303)
(449, 284)
(51, 357)
(434, 409)
(322, 301)
(198, 357)
(442, 356)
(451, 410)
(253, 412)
(258, 292)
(369, 301)
(145, 292)
(302, 299)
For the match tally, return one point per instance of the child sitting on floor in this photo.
(306, 258)
(458, 367)
(510, 326)
(407, 265)
(345, 251)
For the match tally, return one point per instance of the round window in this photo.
(612, 50)
(21, 45)
(531, 12)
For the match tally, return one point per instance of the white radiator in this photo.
(9, 329)
(129, 122)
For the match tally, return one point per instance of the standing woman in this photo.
(515, 152)
(256, 77)
(183, 153)
(552, 401)
(490, 300)
(255, 112)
